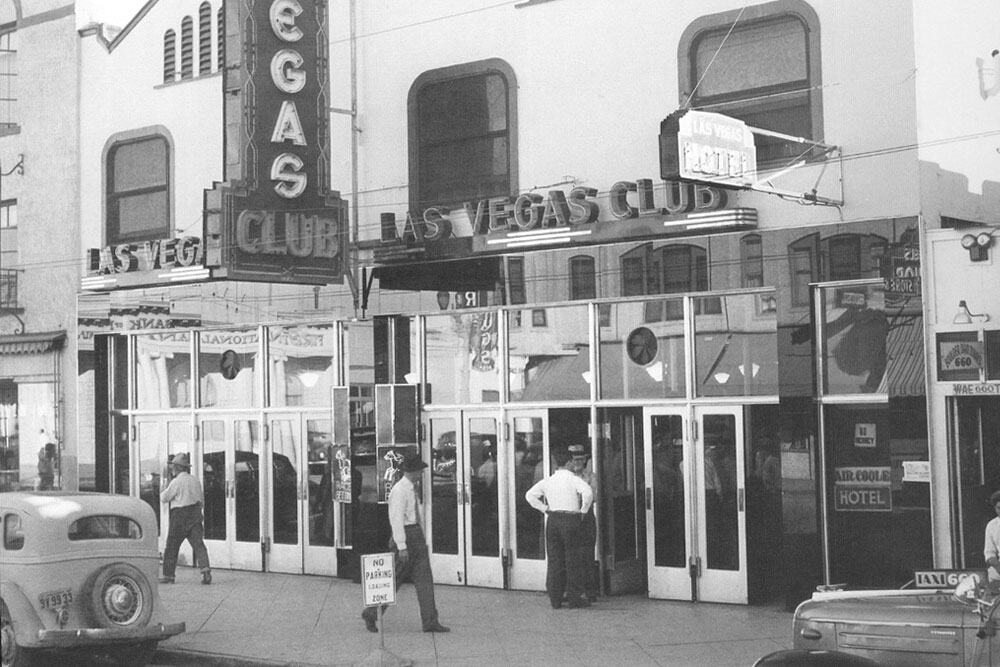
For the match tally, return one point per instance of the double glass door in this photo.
(695, 504)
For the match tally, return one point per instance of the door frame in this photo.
(708, 585)
(524, 573)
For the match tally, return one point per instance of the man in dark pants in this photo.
(410, 546)
(564, 498)
(186, 498)
(581, 456)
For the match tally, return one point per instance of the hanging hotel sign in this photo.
(631, 209)
(706, 147)
(276, 218)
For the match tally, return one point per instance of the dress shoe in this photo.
(166, 580)
(578, 603)
(557, 605)
(370, 622)
(206, 577)
(437, 627)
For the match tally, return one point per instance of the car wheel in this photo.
(119, 596)
(11, 655)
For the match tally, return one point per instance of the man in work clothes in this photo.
(581, 458)
(410, 546)
(564, 498)
(186, 498)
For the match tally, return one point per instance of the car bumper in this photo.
(88, 636)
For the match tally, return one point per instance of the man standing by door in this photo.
(564, 498)
(581, 459)
(186, 498)
(410, 546)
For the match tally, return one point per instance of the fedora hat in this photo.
(412, 463)
(579, 452)
(181, 461)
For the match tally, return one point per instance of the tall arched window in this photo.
(582, 278)
(138, 190)
(751, 261)
(187, 48)
(169, 56)
(204, 38)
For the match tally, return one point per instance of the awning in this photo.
(33, 343)
(904, 348)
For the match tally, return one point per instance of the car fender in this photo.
(812, 658)
(22, 613)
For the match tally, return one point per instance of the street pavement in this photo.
(252, 618)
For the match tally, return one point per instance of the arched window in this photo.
(463, 134)
(169, 56)
(138, 190)
(204, 38)
(751, 261)
(582, 278)
(187, 55)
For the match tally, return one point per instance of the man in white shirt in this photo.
(991, 541)
(186, 498)
(410, 546)
(564, 498)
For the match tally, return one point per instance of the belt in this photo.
(577, 512)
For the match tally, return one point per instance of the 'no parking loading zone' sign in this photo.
(378, 574)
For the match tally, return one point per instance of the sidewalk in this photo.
(279, 619)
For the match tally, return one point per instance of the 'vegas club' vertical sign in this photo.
(280, 219)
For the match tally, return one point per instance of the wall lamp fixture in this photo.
(963, 316)
(978, 245)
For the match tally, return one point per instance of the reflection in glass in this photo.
(484, 497)
(226, 364)
(721, 509)
(445, 489)
(213, 444)
(551, 363)
(669, 508)
(321, 459)
(151, 463)
(736, 350)
(284, 481)
(462, 364)
(529, 467)
(163, 370)
(855, 329)
(639, 358)
(301, 365)
(247, 464)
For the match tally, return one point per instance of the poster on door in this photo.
(341, 471)
(389, 459)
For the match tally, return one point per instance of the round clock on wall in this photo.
(642, 346)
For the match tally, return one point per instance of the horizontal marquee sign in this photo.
(164, 261)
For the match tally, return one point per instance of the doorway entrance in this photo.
(467, 475)
(975, 437)
(696, 503)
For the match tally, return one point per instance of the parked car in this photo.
(951, 620)
(78, 572)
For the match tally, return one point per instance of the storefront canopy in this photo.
(33, 343)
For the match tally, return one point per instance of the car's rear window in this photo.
(105, 527)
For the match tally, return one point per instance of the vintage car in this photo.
(951, 620)
(78, 573)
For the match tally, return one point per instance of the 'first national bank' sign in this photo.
(276, 217)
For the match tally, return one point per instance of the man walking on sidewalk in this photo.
(564, 498)
(185, 495)
(410, 547)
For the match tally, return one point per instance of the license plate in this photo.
(54, 599)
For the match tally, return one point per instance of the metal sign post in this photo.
(378, 583)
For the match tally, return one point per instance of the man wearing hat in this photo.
(991, 541)
(588, 535)
(410, 546)
(185, 496)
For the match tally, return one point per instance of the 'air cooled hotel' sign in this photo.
(280, 220)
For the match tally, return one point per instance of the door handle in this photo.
(741, 499)
(649, 498)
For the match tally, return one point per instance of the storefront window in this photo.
(552, 363)
(854, 333)
(878, 477)
(302, 369)
(226, 363)
(640, 359)
(462, 354)
(163, 370)
(736, 350)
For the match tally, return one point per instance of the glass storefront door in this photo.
(300, 512)
(467, 473)
(696, 497)
(231, 473)
(158, 438)
(528, 459)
